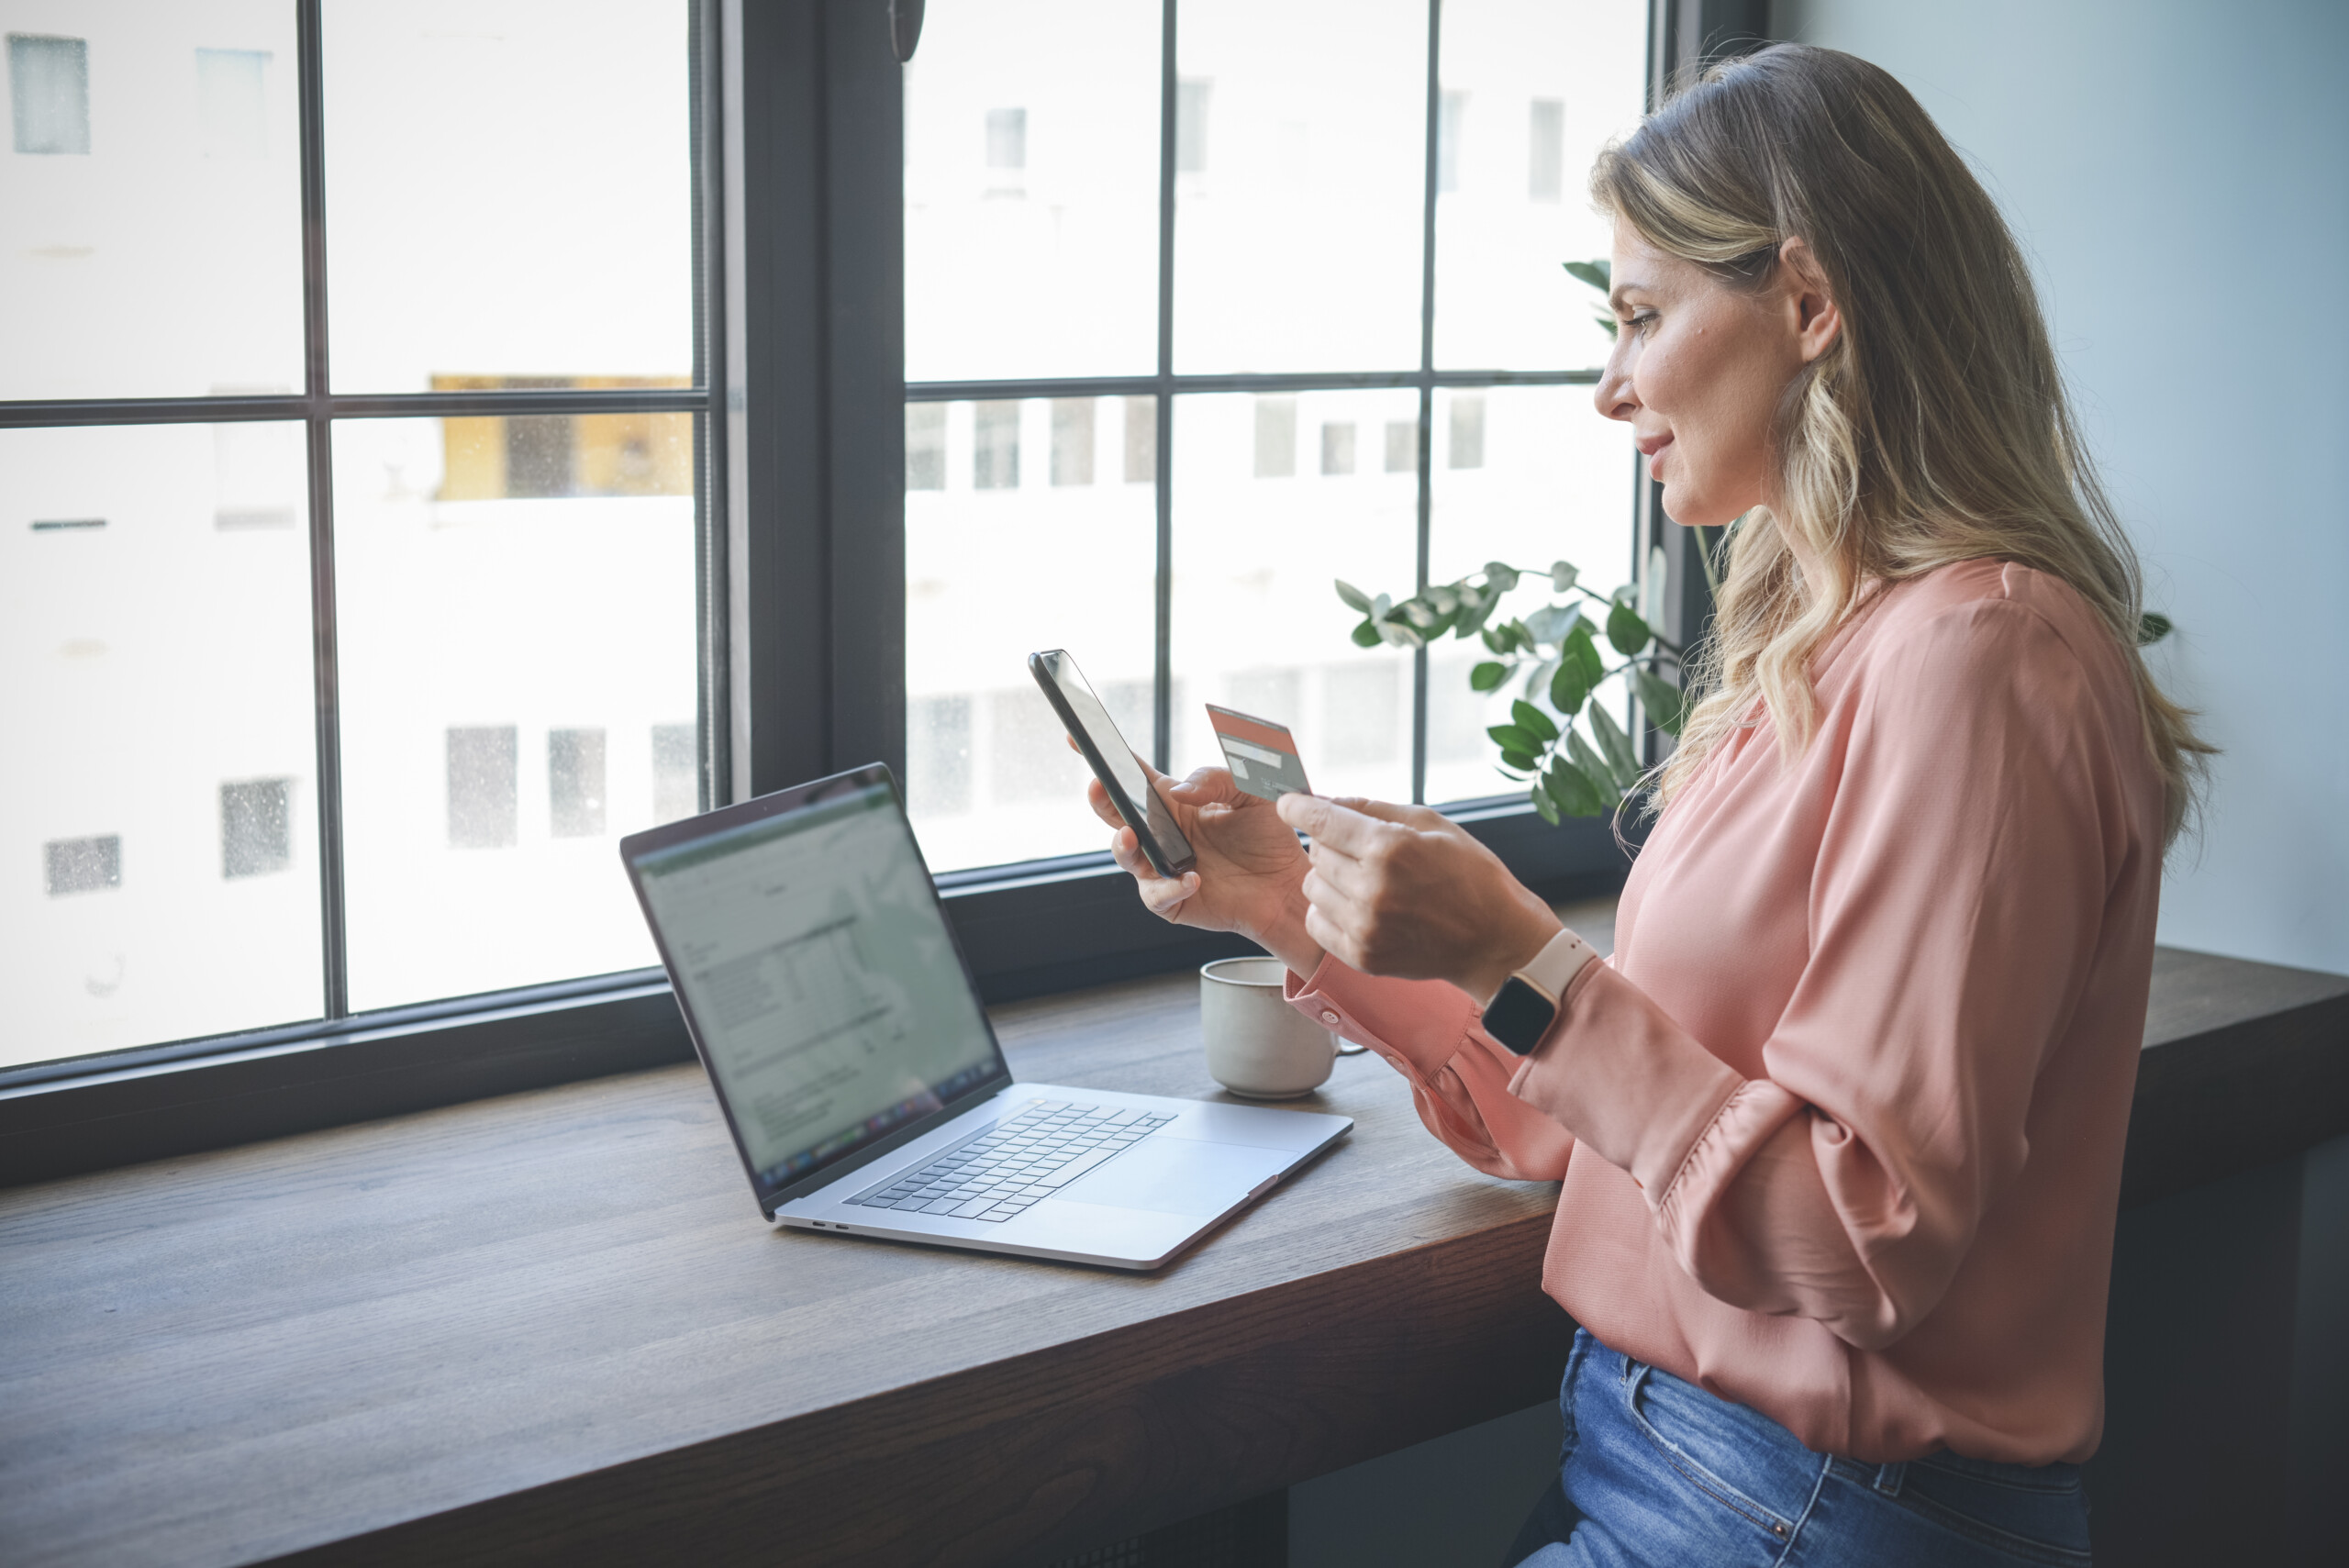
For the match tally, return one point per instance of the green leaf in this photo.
(1665, 705)
(1495, 639)
(1538, 680)
(1381, 608)
(1543, 807)
(1523, 762)
(1444, 596)
(1594, 768)
(1562, 575)
(1355, 598)
(1514, 635)
(1616, 745)
(1607, 323)
(1628, 630)
(1568, 688)
(1474, 608)
(1576, 796)
(1366, 635)
(1550, 623)
(1401, 636)
(1579, 648)
(1499, 576)
(1592, 272)
(1484, 676)
(1516, 737)
(2152, 627)
(1534, 719)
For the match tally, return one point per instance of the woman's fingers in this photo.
(1161, 896)
(1098, 798)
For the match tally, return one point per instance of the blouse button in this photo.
(1330, 1017)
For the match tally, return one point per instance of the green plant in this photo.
(1555, 647)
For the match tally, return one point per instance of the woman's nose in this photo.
(1614, 396)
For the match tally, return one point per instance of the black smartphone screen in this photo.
(1113, 761)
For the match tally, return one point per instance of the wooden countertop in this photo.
(553, 1326)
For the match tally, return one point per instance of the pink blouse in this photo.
(1839, 1123)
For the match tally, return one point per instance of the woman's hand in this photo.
(1251, 870)
(1403, 890)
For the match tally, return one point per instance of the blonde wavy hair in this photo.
(1935, 430)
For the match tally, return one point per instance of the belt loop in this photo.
(1888, 1478)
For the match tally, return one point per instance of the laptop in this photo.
(856, 1068)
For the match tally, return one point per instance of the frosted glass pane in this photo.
(150, 200)
(1032, 190)
(1274, 498)
(509, 193)
(159, 807)
(1532, 90)
(517, 616)
(1029, 525)
(1550, 480)
(1301, 159)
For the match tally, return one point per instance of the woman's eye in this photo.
(1642, 321)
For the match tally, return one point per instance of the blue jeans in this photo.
(1658, 1473)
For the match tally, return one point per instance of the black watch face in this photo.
(1520, 1015)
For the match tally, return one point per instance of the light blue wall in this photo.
(2178, 173)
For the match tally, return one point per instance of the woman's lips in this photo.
(1652, 449)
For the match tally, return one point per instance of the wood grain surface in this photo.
(552, 1327)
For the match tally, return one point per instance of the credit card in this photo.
(1262, 754)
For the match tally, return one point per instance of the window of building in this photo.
(1073, 440)
(1290, 233)
(1451, 123)
(925, 446)
(1338, 449)
(575, 784)
(482, 793)
(232, 109)
(1006, 139)
(83, 865)
(49, 92)
(256, 827)
(676, 772)
(1545, 150)
(995, 445)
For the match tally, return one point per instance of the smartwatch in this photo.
(1525, 1006)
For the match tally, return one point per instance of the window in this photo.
(453, 508)
(1266, 401)
(49, 92)
(1545, 151)
(84, 865)
(575, 784)
(232, 112)
(367, 630)
(256, 827)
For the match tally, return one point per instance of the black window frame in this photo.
(798, 396)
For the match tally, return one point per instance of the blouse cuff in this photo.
(1630, 1083)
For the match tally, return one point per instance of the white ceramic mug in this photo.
(1258, 1046)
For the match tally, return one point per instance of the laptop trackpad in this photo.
(1178, 1175)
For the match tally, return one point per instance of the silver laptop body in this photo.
(829, 1000)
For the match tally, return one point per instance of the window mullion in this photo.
(1161, 703)
(319, 446)
(1427, 389)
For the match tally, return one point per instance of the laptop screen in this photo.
(817, 970)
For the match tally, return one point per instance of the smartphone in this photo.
(1113, 762)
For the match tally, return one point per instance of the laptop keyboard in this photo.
(1019, 1160)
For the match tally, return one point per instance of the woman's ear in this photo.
(1818, 322)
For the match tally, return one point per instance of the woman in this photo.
(1839, 1123)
